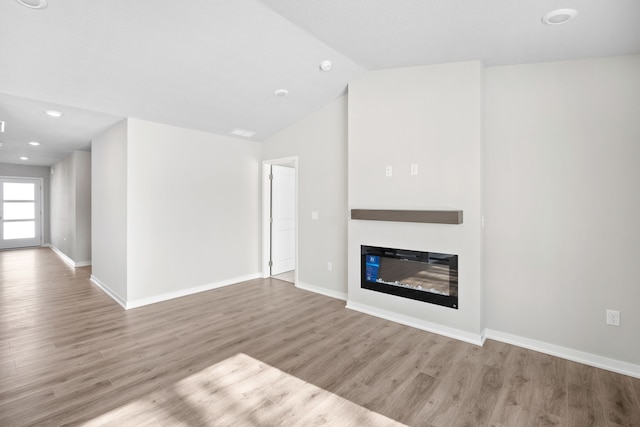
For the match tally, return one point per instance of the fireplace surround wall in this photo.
(428, 116)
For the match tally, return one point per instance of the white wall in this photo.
(320, 142)
(71, 207)
(562, 239)
(430, 116)
(62, 205)
(83, 206)
(109, 209)
(44, 172)
(193, 209)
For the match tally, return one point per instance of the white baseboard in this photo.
(66, 259)
(83, 263)
(322, 291)
(477, 339)
(108, 291)
(128, 305)
(190, 291)
(602, 362)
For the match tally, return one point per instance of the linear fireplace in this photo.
(424, 276)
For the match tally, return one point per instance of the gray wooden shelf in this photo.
(432, 217)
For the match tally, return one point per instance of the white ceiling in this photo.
(213, 65)
(25, 122)
(379, 34)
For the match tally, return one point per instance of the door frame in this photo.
(266, 212)
(41, 182)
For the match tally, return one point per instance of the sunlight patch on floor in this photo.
(241, 390)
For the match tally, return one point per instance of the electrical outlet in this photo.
(389, 171)
(330, 266)
(613, 317)
(414, 169)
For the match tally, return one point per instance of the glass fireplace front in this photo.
(423, 276)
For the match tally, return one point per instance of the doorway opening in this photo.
(280, 219)
(20, 212)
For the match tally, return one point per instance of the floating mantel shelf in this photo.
(433, 217)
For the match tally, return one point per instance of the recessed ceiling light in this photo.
(53, 113)
(34, 143)
(243, 132)
(281, 93)
(33, 4)
(326, 65)
(560, 16)
(24, 158)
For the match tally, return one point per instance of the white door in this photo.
(20, 213)
(283, 217)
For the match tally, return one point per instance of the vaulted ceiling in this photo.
(213, 65)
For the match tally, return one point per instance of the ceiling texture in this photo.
(213, 65)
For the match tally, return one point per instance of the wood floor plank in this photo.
(581, 375)
(618, 398)
(539, 418)
(514, 402)
(443, 405)
(550, 376)
(263, 352)
(406, 406)
(635, 385)
(444, 360)
(477, 409)
(585, 409)
(404, 342)
(496, 353)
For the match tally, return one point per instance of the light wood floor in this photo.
(265, 353)
(287, 276)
